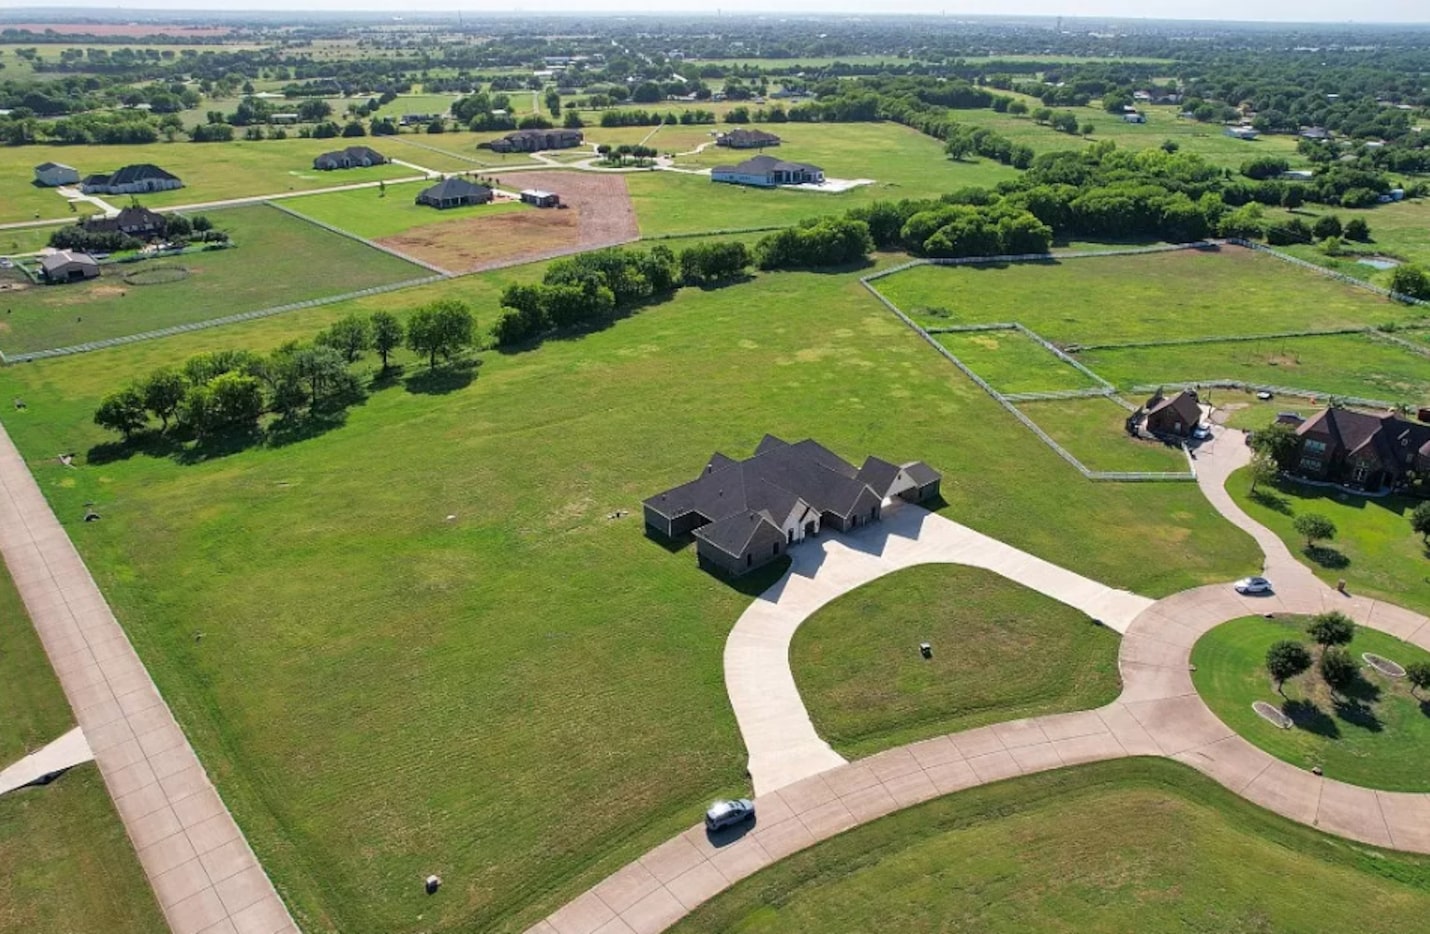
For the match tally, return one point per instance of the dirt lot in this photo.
(598, 213)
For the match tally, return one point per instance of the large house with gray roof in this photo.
(132, 180)
(768, 172)
(744, 514)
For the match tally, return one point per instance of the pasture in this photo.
(1001, 652)
(1138, 844)
(277, 259)
(1013, 362)
(441, 572)
(1093, 430)
(370, 213)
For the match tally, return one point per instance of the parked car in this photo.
(729, 813)
(1253, 585)
(1201, 433)
(1264, 396)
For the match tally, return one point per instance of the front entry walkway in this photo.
(1158, 713)
(205, 877)
(774, 723)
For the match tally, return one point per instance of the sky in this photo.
(1381, 11)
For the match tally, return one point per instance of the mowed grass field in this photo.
(1000, 651)
(1372, 733)
(1093, 430)
(65, 861)
(1134, 845)
(209, 171)
(903, 163)
(1379, 555)
(1154, 297)
(1013, 362)
(527, 695)
(371, 214)
(1353, 365)
(277, 259)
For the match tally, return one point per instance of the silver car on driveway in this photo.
(1253, 585)
(728, 813)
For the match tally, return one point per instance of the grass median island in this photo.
(276, 259)
(1373, 733)
(1159, 296)
(1133, 845)
(1000, 651)
(1094, 431)
(65, 861)
(1375, 551)
(527, 696)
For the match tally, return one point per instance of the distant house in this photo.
(536, 140)
(1134, 117)
(1242, 132)
(745, 514)
(541, 199)
(767, 172)
(742, 138)
(283, 119)
(418, 119)
(1359, 449)
(354, 157)
(133, 221)
(54, 174)
(1296, 175)
(132, 180)
(454, 192)
(67, 266)
(1317, 133)
(1172, 416)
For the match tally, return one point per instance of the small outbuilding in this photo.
(68, 266)
(55, 174)
(454, 192)
(542, 199)
(1173, 416)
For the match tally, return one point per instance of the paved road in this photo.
(1158, 713)
(774, 723)
(64, 753)
(204, 875)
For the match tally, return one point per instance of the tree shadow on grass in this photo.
(1357, 714)
(291, 430)
(1307, 716)
(1425, 708)
(441, 380)
(1328, 558)
(1273, 501)
(150, 444)
(386, 379)
(219, 446)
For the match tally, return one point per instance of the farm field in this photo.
(423, 649)
(1373, 733)
(368, 213)
(1001, 651)
(277, 259)
(210, 171)
(65, 861)
(1138, 844)
(1400, 230)
(1093, 431)
(1379, 555)
(1013, 362)
(1160, 296)
(1347, 364)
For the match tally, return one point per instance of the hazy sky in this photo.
(1381, 11)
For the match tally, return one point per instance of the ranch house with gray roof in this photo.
(743, 514)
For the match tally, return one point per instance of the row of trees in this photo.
(228, 393)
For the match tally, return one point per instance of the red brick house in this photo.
(1172, 416)
(1359, 449)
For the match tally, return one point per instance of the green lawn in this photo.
(421, 650)
(1012, 362)
(1135, 845)
(65, 861)
(368, 213)
(1160, 296)
(462, 144)
(1378, 553)
(1346, 364)
(277, 259)
(1094, 431)
(24, 240)
(903, 162)
(1000, 651)
(1372, 734)
(1400, 230)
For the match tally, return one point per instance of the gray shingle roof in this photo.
(453, 187)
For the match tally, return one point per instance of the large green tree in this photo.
(1285, 660)
(387, 334)
(163, 391)
(122, 411)
(442, 329)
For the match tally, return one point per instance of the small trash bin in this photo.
(925, 650)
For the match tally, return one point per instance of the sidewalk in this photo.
(204, 875)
